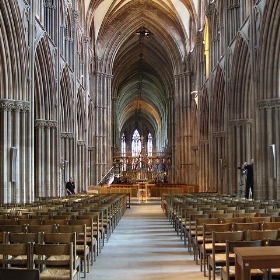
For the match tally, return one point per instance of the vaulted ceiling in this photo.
(143, 44)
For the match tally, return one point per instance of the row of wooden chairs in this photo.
(223, 256)
(99, 221)
(214, 237)
(52, 260)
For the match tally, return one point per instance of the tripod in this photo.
(242, 180)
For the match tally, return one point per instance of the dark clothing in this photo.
(249, 180)
(70, 188)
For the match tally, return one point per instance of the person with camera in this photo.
(70, 186)
(249, 172)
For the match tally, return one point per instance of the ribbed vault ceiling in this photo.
(143, 44)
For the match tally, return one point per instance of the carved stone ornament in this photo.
(66, 135)
(204, 142)
(219, 134)
(45, 123)
(269, 103)
(81, 143)
(14, 105)
(240, 122)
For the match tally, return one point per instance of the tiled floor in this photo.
(144, 246)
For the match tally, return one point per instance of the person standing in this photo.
(70, 186)
(249, 169)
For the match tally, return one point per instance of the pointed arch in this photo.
(15, 105)
(44, 82)
(241, 99)
(218, 103)
(66, 102)
(204, 135)
(13, 53)
(81, 114)
(45, 114)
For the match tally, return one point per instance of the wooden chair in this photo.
(197, 236)
(16, 255)
(63, 268)
(218, 256)
(274, 273)
(96, 229)
(190, 229)
(90, 238)
(61, 238)
(181, 217)
(106, 220)
(82, 249)
(228, 271)
(206, 246)
(22, 274)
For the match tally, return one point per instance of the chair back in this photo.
(262, 235)
(12, 228)
(41, 228)
(271, 225)
(22, 274)
(15, 237)
(55, 222)
(247, 226)
(10, 253)
(230, 256)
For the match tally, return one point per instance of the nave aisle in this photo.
(144, 246)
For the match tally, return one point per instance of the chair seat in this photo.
(221, 258)
(54, 274)
(254, 272)
(275, 271)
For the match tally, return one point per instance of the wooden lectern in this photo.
(142, 192)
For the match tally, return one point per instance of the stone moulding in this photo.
(81, 143)
(45, 123)
(66, 135)
(219, 134)
(14, 105)
(269, 103)
(240, 122)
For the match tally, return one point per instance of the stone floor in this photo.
(144, 246)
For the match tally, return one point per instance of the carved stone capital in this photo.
(81, 143)
(204, 142)
(66, 135)
(45, 123)
(241, 122)
(234, 5)
(269, 103)
(219, 134)
(14, 105)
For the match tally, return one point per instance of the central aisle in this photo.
(144, 246)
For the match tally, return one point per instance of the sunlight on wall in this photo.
(206, 48)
